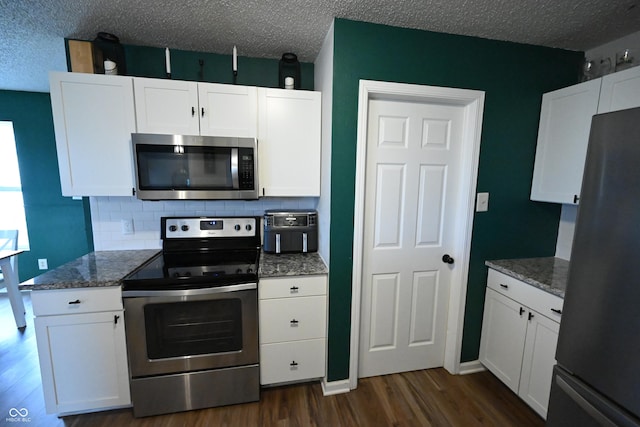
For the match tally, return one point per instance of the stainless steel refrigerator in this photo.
(597, 379)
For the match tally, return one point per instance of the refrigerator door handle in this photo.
(584, 404)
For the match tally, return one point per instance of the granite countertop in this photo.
(96, 269)
(108, 268)
(548, 273)
(272, 265)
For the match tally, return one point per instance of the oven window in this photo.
(162, 167)
(192, 328)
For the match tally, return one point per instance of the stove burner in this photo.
(201, 255)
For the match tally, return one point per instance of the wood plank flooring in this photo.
(419, 398)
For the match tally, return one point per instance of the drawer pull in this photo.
(530, 315)
(293, 364)
(115, 319)
(556, 310)
(294, 289)
(74, 302)
(521, 311)
(294, 322)
(504, 286)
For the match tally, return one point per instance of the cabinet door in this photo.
(620, 91)
(538, 361)
(166, 106)
(228, 110)
(504, 328)
(289, 142)
(83, 361)
(93, 116)
(565, 122)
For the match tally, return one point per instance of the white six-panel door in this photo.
(412, 180)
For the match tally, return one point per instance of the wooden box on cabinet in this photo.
(81, 348)
(519, 336)
(292, 328)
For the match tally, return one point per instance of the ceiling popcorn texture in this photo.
(32, 32)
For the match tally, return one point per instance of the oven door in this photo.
(190, 330)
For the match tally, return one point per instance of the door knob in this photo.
(447, 259)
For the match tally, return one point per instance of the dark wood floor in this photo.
(420, 398)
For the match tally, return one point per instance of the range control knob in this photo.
(236, 227)
(185, 228)
(248, 227)
(173, 228)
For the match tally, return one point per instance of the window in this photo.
(11, 202)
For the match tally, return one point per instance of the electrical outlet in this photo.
(127, 226)
(482, 202)
(43, 264)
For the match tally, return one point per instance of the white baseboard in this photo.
(471, 367)
(335, 387)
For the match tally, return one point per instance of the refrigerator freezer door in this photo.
(573, 403)
(599, 339)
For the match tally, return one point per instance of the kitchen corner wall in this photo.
(108, 213)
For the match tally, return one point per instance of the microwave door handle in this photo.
(234, 169)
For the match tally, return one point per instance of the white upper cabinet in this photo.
(289, 138)
(563, 135)
(166, 106)
(620, 91)
(565, 120)
(93, 117)
(191, 108)
(228, 110)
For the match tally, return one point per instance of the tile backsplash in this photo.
(111, 217)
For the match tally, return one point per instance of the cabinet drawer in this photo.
(536, 299)
(289, 319)
(77, 300)
(297, 286)
(292, 361)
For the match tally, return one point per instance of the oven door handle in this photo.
(189, 292)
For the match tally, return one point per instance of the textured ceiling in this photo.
(32, 32)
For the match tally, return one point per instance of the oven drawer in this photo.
(297, 286)
(76, 300)
(288, 319)
(292, 361)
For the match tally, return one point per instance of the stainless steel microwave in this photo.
(185, 167)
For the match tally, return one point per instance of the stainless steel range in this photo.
(191, 317)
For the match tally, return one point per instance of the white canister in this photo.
(288, 82)
(110, 67)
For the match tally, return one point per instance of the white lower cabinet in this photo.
(82, 350)
(292, 328)
(519, 336)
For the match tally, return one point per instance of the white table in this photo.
(11, 281)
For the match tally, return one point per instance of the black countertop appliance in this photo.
(291, 230)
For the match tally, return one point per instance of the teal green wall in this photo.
(57, 225)
(514, 77)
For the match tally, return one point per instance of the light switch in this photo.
(482, 202)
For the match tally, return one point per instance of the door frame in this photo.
(473, 103)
